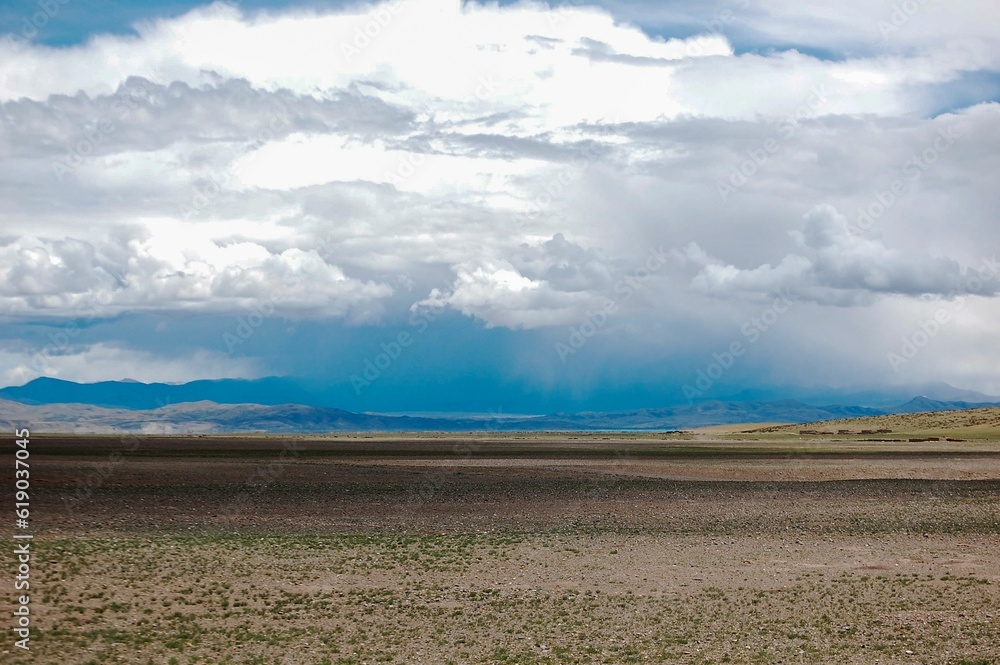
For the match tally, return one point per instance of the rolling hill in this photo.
(210, 417)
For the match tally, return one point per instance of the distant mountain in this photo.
(273, 391)
(210, 417)
(924, 404)
(884, 397)
(131, 394)
(709, 413)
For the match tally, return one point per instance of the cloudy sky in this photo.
(434, 205)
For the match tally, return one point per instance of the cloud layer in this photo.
(515, 165)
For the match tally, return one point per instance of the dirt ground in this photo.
(527, 550)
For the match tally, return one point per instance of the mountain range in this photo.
(275, 391)
(233, 405)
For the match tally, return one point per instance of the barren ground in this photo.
(513, 549)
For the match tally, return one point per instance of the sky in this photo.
(438, 205)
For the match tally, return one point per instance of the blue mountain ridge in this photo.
(277, 404)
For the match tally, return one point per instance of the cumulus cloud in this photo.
(511, 163)
(170, 271)
(839, 267)
(550, 283)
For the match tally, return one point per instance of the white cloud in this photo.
(839, 267)
(107, 362)
(555, 282)
(171, 269)
(511, 163)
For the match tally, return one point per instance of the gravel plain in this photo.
(501, 550)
